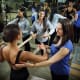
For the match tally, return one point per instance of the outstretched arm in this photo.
(57, 57)
(29, 56)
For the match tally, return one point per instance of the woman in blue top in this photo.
(54, 17)
(60, 51)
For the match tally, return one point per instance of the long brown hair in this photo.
(44, 20)
(67, 31)
(22, 9)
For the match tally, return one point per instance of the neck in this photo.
(40, 21)
(13, 44)
(59, 42)
(21, 17)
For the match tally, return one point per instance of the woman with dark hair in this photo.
(46, 9)
(54, 18)
(69, 10)
(24, 24)
(60, 51)
(16, 57)
(42, 28)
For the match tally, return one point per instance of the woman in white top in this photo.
(42, 28)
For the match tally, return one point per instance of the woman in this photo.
(24, 24)
(42, 28)
(54, 17)
(46, 9)
(69, 11)
(60, 51)
(16, 57)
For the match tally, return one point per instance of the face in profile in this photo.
(59, 30)
(41, 15)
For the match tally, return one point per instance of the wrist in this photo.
(44, 50)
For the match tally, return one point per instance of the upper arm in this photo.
(64, 51)
(67, 48)
(29, 56)
(13, 21)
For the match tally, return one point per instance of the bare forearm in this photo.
(20, 65)
(38, 58)
(44, 63)
(52, 60)
(57, 57)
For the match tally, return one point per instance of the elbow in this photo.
(64, 54)
(45, 57)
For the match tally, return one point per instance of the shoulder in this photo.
(69, 45)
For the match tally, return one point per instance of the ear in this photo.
(18, 37)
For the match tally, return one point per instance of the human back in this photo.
(14, 56)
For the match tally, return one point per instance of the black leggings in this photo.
(27, 45)
(59, 77)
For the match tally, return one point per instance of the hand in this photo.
(34, 35)
(42, 46)
(47, 46)
(29, 64)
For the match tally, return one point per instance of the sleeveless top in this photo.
(20, 74)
